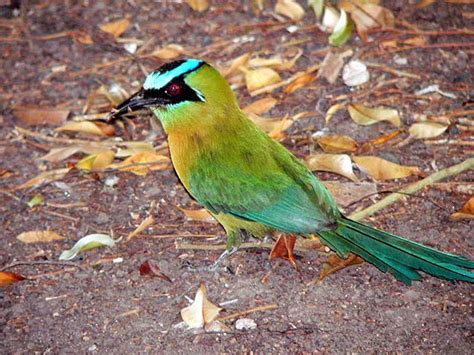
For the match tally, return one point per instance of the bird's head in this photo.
(182, 91)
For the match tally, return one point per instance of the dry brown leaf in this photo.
(201, 215)
(59, 154)
(276, 62)
(201, 311)
(261, 106)
(169, 52)
(116, 28)
(39, 237)
(31, 115)
(332, 65)
(415, 41)
(466, 212)
(150, 268)
(83, 127)
(235, 64)
(7, 278)
(348, 193)
(332, 111)
(337, 144)
(144, 225)
(381, 169)
(126, 149)
(424, 130)
(273, 126)
(299, 83)
(334, 163)
(43, 178)
(367, 15)
(364, 115)
(261, 77)
(97, 162)
(290, 9)
(143, 162)
(82, 37)
(198, 5)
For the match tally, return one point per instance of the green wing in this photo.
(264, 184)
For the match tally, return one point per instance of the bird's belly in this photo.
(230, 222)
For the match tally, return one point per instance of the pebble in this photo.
(245, 324)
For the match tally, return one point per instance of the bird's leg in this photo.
(234, 239)
(334, 263)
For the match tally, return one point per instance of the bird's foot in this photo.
(334, 263)
(216, 266)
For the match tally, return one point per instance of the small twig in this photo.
(42, 262)
(390, 199)
(248, 311)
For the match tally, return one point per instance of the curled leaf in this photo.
(299, 83)
(334, 163)
(381, 169)
(261, 77)
(273, 126)
(39, 237)
(424, 130)
(169, 52)
(7, 278)
(337, 144)
(466, 212)
(332, 111)
(364, 115)
(143, 225)
(84, 127)
(116, 28)
(97, 162)
(43, 178)
(261, 106)
(199, 215)
(149, 267)
(88, 242)
(143, 162)
(201, 311)
(290, 9)
(342, 31)
(198, 5)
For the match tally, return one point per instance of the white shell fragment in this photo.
(355, 73)
(245, 324)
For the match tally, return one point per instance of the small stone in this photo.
(400, 60)
(355, 73)
(111, 181)
(245, 324)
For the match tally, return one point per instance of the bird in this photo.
(251, 184)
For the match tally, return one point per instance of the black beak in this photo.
(135, 102)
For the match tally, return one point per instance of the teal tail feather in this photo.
(401, 257)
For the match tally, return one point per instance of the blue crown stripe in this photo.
(158, 80)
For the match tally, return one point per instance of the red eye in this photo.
(174, 89)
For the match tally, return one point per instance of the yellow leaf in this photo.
(337, 144)
(233, 67)
(9, 277)
(424, 130)
(116, 28)
(31, 115)
(273, 126)
(126, 149)
(466, 212)
(39, 237)
(169, 52)
(97, 162)
(364, 115)
(299, 83)
(332, 111)
(381, 169)
(290, 9)
(332, 65)
(144, 225)
(201, 311)
(276, 62)
(261, 77)
(43, 178)
(82, 127)
(142, 163)
(261, 106)
(198, 5)
(199, 215)
(334, 163)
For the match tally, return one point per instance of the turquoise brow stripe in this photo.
(157, 80)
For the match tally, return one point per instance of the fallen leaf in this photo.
(348, 192)
(97, 162)
(273, 126)
(82, 37)
(198, 5)
(83, 127)
(334, 163)
(381, 169)
(7, 278)
(44, 178)
(337, 144)
(382, 139)
(424, 130)
(261, 106)
(88, 242)
(275, 62)
(169, 52)
(150, 268)
(199, 215)
(31, 115)
(143, 162)
(466, 212)
(126, 149)
(39, 237)
(318, 7)
(143, 225)
(59, 154)
(261, 77)
(115, 93)
(201, 311)
(332, 111)
(235, 64)
(330, 19)
(342, 31)
(299, 83)
(290, 9)
(367, 15)
(332, 65)
(36, 200)
(116, 28)
(364, 115)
